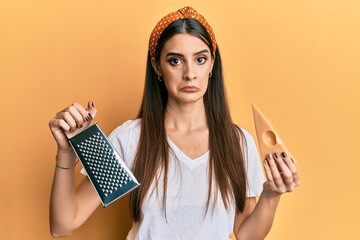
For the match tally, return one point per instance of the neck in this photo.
(185, 117)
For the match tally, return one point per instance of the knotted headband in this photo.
(183, 13)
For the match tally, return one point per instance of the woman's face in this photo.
(185, 64)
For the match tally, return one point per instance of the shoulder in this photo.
(254, 171)
(246, 138)
(125, 128)
(247, 134)
(125, 139)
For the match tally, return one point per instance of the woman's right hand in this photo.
(69, 208)
(69, 122)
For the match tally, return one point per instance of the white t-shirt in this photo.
(187, 193)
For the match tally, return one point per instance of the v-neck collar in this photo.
(190, 162)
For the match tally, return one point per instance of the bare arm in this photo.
(256, 221)
(69, 208)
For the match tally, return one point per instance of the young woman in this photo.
(199, 173)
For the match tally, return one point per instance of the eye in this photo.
(174, 61)
(201, 60)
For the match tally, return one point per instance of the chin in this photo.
(190, 100)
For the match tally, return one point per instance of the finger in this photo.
(267, 169)
(71, 116)
(284, 171)
(91, 109)
(269, 177)
(84, 114)
(75, 112)
(289, 162)
(68, 118)
(292, 167)
(276, 174)
(64, 125)
(58, 124)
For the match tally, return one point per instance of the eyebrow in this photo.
(181, 55)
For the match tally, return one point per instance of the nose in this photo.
(189, 72)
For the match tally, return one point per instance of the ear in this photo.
(156, 67)
(212, 64)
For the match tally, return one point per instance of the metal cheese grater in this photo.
(107, 172)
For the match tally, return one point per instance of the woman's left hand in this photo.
(281, 173)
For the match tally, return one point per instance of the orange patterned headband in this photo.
(183, 13)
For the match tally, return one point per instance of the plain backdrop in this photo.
(299, 61)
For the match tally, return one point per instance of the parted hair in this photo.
(227, 145)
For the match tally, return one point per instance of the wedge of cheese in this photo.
(269, 140)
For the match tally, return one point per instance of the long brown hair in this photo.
(226, 161)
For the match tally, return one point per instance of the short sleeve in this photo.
(253, 167)
(125, 139)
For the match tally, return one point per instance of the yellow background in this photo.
(299, 61)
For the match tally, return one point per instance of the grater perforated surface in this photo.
(106, 170)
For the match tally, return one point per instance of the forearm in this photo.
(63, 197)
(258, 224)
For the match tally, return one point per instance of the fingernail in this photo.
(81, 126)
(268, 157)
(276, 155)
(92, 104)
(284, 154)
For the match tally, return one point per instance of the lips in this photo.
(189, 89)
